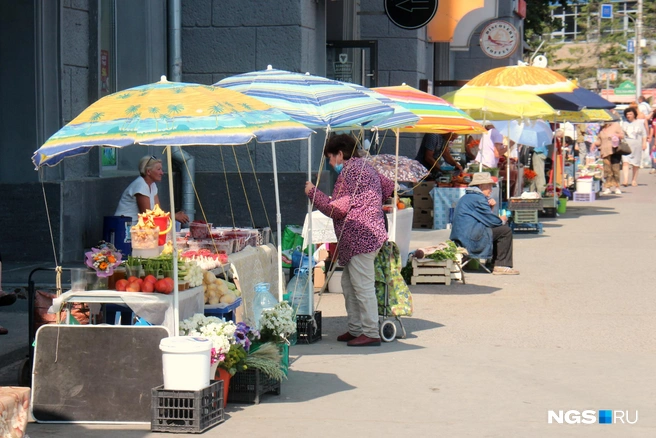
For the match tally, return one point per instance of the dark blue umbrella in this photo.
(577, 100)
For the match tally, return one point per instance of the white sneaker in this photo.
(606, 192)
(652, 171)
(618, 192)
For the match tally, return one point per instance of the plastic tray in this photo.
(247, 386)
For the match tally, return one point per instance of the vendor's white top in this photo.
(185, 344)
(486, 150)
(127, 206)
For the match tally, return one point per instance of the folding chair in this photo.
(466, 259)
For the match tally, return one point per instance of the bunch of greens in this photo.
(448, 253)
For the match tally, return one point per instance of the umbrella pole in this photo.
(176, 296)
(278, 220)
(392, 233)
(310, 242)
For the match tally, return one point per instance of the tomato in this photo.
(169, 281)
(122, 284)
(400, 205)
(133, 278)
(162, 286)
(133, 287)
(148, 286)
(150, 279)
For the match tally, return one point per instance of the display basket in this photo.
(187, 411)
(516, 204)
(305, 332)
(584, 197)
(249, 385)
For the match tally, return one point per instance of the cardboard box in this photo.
(424, 202)
(319, 277)
(422, 215)
(423, 188)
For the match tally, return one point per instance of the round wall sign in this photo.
(499, 39)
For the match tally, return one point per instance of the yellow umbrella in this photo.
(490, 103)
(586, 116)
(536, 80)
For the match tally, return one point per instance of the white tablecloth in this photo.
(324, 232)
(155, 308)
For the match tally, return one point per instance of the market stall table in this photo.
(324, 232)
(155, 308)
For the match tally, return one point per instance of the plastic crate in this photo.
(547, 212)
(584, 197)
(187, 411)
(525, 216)
(249, 385)
(518, 204)
(305, 332)
(535, 228)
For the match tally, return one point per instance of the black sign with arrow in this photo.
(410, 14)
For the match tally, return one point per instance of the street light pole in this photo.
(638, 50)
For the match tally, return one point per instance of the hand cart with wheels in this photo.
(25, 370)
(393, 295)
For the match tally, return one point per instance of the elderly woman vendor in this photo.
(141, 194)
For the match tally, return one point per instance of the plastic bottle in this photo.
(262, 300)
(297, 289)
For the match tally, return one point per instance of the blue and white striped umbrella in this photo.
(317, 102)
(401, 118)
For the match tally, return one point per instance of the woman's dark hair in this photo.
(631, 110)
(342, 142)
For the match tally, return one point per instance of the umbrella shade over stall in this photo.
(435, 114)
(409, 170)
(587, 116)
(316, 102)
(577, 100)
(489, 103)
(535, 80)
(533, 133)
(172, 114)
(401, 117)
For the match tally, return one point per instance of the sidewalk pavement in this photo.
(575, 331)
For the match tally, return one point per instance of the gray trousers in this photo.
(358, 284)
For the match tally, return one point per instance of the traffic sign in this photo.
(606, 11)
(630, 46)
(410, 14)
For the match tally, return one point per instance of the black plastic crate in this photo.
(247, 386)
(187, 411)
(305, 332)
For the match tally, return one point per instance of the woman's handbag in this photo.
(624, 148)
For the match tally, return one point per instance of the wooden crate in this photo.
(430, 271)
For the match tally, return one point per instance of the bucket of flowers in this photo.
(103, 259)
(529, 176)
(278, 326)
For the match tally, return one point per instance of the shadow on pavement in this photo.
(38, 430)
(456, 287)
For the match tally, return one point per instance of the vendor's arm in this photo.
(386, 186)
(335, 209)
(449, 159)
(143, 202)
(429, 158)
(484, 215)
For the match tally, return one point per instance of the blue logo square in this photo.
(606, 417)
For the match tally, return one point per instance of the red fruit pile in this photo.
(149, 284)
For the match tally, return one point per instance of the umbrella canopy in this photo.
(534, 133)
(535, 80)
(554, 88)
(576, 100)
(490, 103)
(435, 114)
(587, 116)
(408, 170)
(311, 100)
(172, 114)
(401, 117)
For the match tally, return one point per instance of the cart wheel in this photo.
(25, 373)
(388, 330)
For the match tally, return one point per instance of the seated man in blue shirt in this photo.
(484, 234)
(433, 147)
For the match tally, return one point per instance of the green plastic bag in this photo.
(292, 238)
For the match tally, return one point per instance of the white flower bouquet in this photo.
(278, 323)
(220, 332)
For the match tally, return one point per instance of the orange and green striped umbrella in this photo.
(436, 115)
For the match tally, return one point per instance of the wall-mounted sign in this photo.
(499, 39)
(410, 14)
(343, 69)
